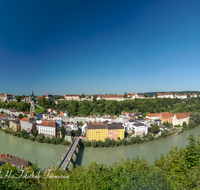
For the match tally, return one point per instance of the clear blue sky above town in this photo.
(91, 47)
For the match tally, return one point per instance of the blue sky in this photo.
(91, 47)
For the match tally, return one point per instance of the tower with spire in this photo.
(32, 108)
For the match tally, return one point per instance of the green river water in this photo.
(47, 154)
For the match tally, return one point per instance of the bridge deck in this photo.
(66, 160)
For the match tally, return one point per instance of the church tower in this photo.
(32, 108)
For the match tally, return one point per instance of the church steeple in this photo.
(32, 108)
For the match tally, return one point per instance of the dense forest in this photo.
(180, 169)
(100, 107)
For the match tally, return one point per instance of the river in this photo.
(47, 154)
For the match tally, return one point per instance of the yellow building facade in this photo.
(15, 125)
(120, 133)
(97, 132)
(101, 132)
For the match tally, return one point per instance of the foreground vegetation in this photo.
(180, 169)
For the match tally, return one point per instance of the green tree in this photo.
(20, 116)
(59, 140)
(23, 132)
(82, 95)
(35, 133)
(184, 125)
(63, 132)
(18, 98)
(125, 95)
(163, 134)
(155, 128)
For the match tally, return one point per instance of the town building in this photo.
(49, 96)
(168, 95)
(160, 95)
(97, 132)
(39, 97)
(115, 131)
(184, 96)
(7, 97)
(134, 95)
(15, 125)
(111, 97)
(71, 97)
(27, 124)
(152, 116)
(26, 99)
(49, 128)
(194, 95)
(166, 117)
(179, 118)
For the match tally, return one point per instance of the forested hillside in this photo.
(85, 108)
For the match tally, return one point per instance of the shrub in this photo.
(133, 140)
(87, 143)
(124, 142)
(47, 140)
(6, 131)
(112, 143)
(138, 139)
(40, 138)
(14, 133)
(27, 136)
(53, 140)
(59, 140)
(150, 137)
(32, 138)
(19, 134)
(164, 134)
(94, 143)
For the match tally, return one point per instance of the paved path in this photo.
(39, 107)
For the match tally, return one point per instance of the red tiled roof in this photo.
(39, 97)
(152, 114)
(112, 96)
(168, 93)
(133, 94)
(167, 114)
(159, 94)
(183, 115)
(48, 124)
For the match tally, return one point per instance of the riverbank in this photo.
(39, 138)
(131, 141)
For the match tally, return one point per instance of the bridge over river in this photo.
(68, 157)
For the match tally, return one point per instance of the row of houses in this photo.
(7, 97)
(174, 119)
(171, 95)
